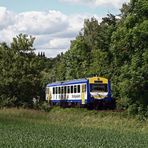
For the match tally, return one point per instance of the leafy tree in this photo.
(76, 59)
(129, 44)
(20, 74)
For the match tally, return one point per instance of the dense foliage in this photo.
(116, 48)
(22, 72)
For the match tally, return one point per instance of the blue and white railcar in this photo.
(82, 91)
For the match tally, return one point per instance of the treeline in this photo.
(116, 48)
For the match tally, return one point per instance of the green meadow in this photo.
(71, 128)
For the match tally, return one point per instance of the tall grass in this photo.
(71, 128)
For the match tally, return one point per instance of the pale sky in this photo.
(54, 23)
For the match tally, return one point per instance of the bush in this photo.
(6, 101)
(122, 104)
(139, 110)
(133, 109)
(40, 105)
(45, 106)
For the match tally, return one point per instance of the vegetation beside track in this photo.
(71, 127)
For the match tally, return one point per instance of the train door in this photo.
(83, 92)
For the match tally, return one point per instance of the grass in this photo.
(71, 128)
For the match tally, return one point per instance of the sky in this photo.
(54, 23)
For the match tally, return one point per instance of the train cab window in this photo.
(71, 89)
(75, 88)
(68, 91)
(53, 90)
(103, 87)
(78, 88)
(98, 87)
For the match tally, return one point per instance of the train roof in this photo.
(77, 81)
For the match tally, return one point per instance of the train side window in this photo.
(56, 90)
(61, 90)
(53, 90)
(68, 89)
(64, 89)
(75, 88)
(78, 89)
(71, 89)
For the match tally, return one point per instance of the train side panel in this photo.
(68, 93)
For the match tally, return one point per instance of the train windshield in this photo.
(98, 87)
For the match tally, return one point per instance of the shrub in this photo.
(6, 101)
(122, 104)
(133, 109)
(44, 106)
(139, 110)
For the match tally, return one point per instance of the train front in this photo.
(100, 91)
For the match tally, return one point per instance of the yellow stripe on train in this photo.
(94, 79)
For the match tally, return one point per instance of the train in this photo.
(93, 92)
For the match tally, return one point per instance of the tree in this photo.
(20, 74)
(129, 46)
